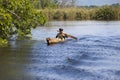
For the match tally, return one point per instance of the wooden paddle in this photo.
(72, 36)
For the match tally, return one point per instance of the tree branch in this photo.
(18, 17)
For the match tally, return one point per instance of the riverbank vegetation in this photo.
(68, 10)
(17, 17)
(97, 13)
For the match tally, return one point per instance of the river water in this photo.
(94, 56)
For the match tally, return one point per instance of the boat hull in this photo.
(53, 40)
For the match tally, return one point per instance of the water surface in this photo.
(94, 56)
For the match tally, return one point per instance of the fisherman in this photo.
(61, 35)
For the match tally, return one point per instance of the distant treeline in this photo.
(83, 13)
(68, 10)
(42, 4)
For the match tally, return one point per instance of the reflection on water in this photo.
(13, 59)
(95, 56)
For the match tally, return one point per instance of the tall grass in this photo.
(100, 13)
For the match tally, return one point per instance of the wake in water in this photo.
(90, 58)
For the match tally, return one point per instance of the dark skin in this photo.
(65, 35)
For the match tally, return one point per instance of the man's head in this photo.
(60, 29)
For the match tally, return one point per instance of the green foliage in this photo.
(41, 18)
(79, 16)
(57, 15)
(105, 13)
(18, 17)
(3, 42)
(65, 16)
(53, 3)
(97, 13)
(5, 24)
(42, 3)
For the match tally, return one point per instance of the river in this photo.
(94, 56)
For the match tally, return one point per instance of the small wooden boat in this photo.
(54, 40)
(57, 40)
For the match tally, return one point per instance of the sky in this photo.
(96, 2)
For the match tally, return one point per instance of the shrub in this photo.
(105, 13)
(57, 15)
(65, 16)
(98, 13)
(18, 17)
(3, 42)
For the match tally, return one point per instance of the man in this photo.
(60, 37)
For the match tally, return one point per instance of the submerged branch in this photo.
(13, 13)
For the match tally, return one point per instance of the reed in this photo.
(99, 13)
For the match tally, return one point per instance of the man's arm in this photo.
(71, 36)
(56, 35)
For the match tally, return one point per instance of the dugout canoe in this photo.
(54, 40)
(57, 40)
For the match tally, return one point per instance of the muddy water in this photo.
(94, 56)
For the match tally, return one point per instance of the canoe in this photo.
(54, 40)
(57, 40)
